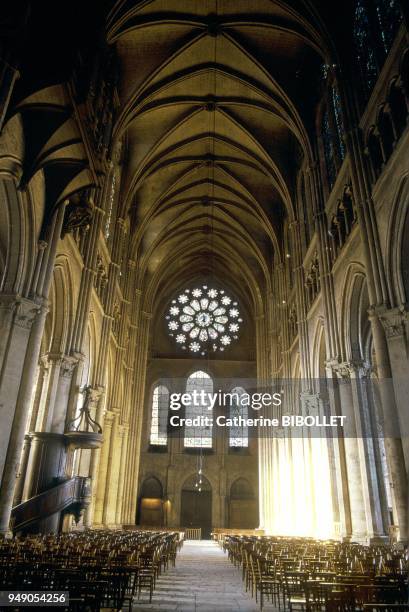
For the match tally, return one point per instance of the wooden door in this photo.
(196, 511)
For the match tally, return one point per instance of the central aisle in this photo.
(203, 579)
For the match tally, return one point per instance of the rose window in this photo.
(203, 318)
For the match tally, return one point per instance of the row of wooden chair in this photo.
(315, 576)
(98, 569)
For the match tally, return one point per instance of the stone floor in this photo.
(203, 580)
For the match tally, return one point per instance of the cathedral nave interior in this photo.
(204, 196)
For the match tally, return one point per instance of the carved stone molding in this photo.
(44, 362)
(68, 365)
(310, 403)
(78, 213)
(393, 321)
(52, 359)
(108, 419)
(343, 370)
(94, 394)
(352, 369)
(25, 314)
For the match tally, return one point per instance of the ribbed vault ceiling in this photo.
(218, 102)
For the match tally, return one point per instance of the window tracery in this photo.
(204, 318)
(376, 23)
(159, 416)
(239, 434)
(327, 141)
(199, 436)
(332, 134)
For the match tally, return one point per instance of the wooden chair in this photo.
(295, 596)
(268, 584)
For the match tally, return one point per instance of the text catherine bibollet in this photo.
(205, 400)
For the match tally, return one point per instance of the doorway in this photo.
(151, 503)
(196, 505)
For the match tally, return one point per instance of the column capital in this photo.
(355, 368)
(52, 359)
(79, 356)
(109, 419)
(24, 311)
(393, 320)
(94, 393)
(68, 365)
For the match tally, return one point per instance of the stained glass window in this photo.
(159, 416)
(376, 23)
(200, 434)
(203, 319)
(389, 17)
(327, 141)
(364, 47)
(336, 105)
(239, 434)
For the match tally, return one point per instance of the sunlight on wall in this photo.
(301, 489)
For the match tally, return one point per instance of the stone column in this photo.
(278, 442)
(310, 407)
(136, 419)
(109, 516)
(54, 361)
(393, 433)
(326, 279)
(301, 306)
(101, 365)
(28, 355)
(57, 419)
(352, 456)
(342, 515)
(17, 316)
(98, 397)
(47, 461)
(103, 470)
(378, 297)
(123, 432)
(395, 322)
(371, 487)
(264, 448)
(332, 344)
(18, 495)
